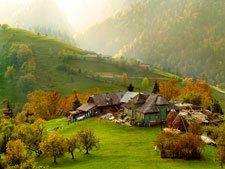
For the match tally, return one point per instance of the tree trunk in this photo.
(55, 159)
(72, 155)
(87, 151)
(221, 165)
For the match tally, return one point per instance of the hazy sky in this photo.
(80, 13)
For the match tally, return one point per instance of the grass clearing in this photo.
(122, 147)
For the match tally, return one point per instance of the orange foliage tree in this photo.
(201, 88)
(169, 90)
(51, 105)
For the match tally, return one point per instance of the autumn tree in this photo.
(28, 66)
(124, 78)
(145, 84)
(87, 139)
(6, 110)
(54, 146)
(32, 135)
(73, 144)
(15, 152)
(200, 88)
(10, 73)
(169, 90)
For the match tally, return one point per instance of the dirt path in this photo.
(218, 89)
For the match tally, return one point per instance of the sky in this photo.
(80, 13)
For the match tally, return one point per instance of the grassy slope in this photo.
(123, 147)
(48, 78)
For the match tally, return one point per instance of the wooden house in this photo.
(107, 102)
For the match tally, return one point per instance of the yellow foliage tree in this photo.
(15, 152)
(124, 78)
(54, 146)
(169, 90)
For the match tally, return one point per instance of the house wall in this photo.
(128, 111)
(139, 115)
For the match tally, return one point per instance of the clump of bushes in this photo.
(186, 146)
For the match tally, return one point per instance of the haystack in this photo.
(170, 118)
(180, 123)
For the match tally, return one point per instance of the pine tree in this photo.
(76, 102)
(130, 87)
(155, 88)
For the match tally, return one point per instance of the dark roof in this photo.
(152, 103)
(86, 107)
(106, 99)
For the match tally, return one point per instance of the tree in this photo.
(145, 84)
(15, 152)
(203, 76)
(7, 111)
(27, 82)
(130, 87)
(169, 90)
(124, 78)
(32, 135)
(54, 146)
(155, 88)
(216, 107)
(87, 139)
(73, 144)
(220, 142)
(28, 67)
(10, 73)
(76, 102)
(5, 27)
(7, 127)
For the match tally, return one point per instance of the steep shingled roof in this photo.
(106, 99)
(152, 103)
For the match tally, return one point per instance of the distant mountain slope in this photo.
(184, 37)
(42, 16)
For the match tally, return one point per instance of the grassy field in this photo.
(123, 147)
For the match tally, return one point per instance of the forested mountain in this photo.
(34, 16)
(184, 37)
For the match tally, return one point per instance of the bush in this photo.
(193, 98)
(187, 146)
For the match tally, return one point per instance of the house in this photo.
(107, 102)
(153, 109)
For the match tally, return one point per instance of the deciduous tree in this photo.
(124, 78)
(169, 90)
(87, 139)
(54, 146)
(145, 84)
(15, 152)
(73, 144)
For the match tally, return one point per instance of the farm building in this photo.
(106, 103)
(153, 109)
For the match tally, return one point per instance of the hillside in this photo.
(48, 19)
(183, 37)
(122, 147)
(49, 64)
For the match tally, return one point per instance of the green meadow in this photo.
(122, 147)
